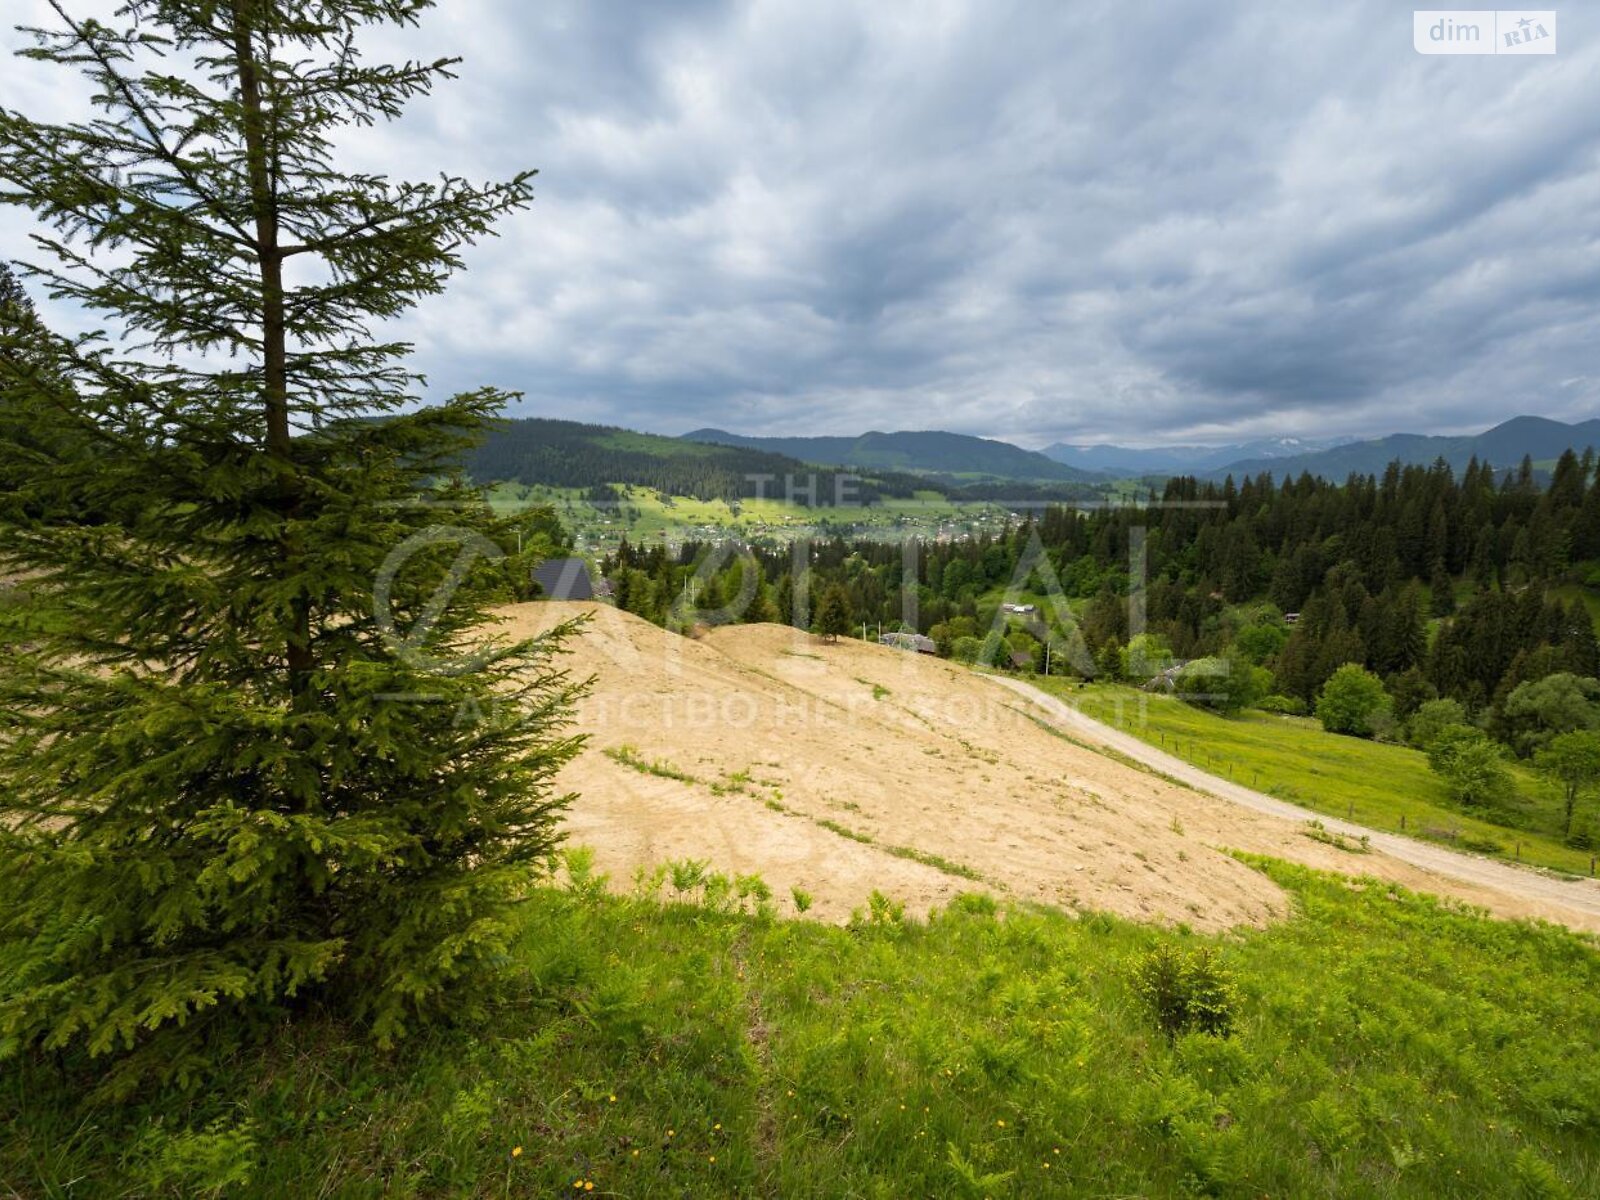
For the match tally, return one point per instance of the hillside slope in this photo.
(919, 451)
(845, 768)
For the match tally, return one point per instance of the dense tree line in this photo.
(1440, 585)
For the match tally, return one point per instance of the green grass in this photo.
(937, 861)
(1383, 1045)
(1588, 595)
(1295, 759)
(629, 756)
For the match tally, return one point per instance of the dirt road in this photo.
(1579, 895)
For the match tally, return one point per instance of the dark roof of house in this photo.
(564, 579)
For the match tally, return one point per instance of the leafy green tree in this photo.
(1431, 718)
(268, 754)
(833, 613)
(1227, 683)
(1573, 761)
(1145, 655)
(1261, 641)
(1352, 702)
(1471, 764)
(1539, 710)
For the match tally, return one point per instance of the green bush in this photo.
(1430, 718)
(1223, 684)
(1289, 706)
(1471, 765)
(1353, 702)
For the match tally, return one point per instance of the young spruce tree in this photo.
(261, 753)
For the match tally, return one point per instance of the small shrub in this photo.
(1186, 990)
(687, 874)
(209, 1162)
(1290, 706)
(1318, 832)
(647, 881)
(882, 913)
(751, 887)
(582, 881)
(801, 898)
(977, 904)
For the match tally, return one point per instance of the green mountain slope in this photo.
(928, 452)
(536, 450)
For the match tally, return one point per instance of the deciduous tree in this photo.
(1573, 761)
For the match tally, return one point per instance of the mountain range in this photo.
(1504, 446)
(926, 452)
(957, 457)
(1186, 460)
(714, 462)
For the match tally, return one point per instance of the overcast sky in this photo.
(1036, 221)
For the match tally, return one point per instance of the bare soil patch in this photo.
(847, 767)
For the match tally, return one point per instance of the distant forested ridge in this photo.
(924, 452)
(536, 450)
(572, 454)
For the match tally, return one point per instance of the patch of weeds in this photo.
(629, 756)
(844, 832)
(1318, 832)
(937, 861)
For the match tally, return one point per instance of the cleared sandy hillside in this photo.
(798, 750)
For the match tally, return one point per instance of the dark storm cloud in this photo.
(1035, 221)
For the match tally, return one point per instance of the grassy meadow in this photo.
(1381, 1044)
(1375, 783)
